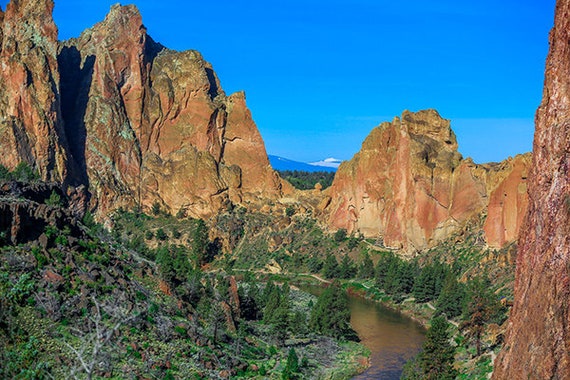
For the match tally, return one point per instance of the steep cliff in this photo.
(410, 187)
(145, 124)
(537, 343)
(31, 128)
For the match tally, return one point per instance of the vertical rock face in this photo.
(145, 124)
(508, 202)
(31, 129)
(103, 75)
(537, 344)
(409, 186)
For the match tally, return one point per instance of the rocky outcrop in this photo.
(537, 342)
(31, 128)
(145, 124)
(411, 188)
(25, 212)
(508, 201)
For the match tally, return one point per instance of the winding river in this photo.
(391, 337)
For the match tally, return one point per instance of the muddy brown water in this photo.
(391, 337)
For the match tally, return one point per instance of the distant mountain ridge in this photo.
(281, 163)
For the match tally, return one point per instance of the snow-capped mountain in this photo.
(281, 163)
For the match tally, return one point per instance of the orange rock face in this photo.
(508, 202)
(31, 129)
(145, 124)
(409, 186)
(537, 342)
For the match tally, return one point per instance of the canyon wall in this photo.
(134, 122)
(31, 128)
(410, 187)
(537, 342)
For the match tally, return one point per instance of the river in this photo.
(391, 337)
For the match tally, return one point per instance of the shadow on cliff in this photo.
(75, 83)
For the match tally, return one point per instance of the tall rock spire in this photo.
(31, 128)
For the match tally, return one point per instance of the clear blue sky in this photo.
(319, 75)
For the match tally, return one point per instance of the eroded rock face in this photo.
(409, 186)
(537, 343)
(31, 128)
(508, 201)
(145, 124)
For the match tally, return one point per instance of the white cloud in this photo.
(327, 162)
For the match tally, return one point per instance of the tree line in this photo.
(307, 180)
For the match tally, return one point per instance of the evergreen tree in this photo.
(271, 305)
(199, 242)
(216, 320)
(5, 174)
(292, 366)
(331, 268)
(267, 291)
(392, 281)
(347, 269)
(331, 315)
(280, 320)
(314, 264)
(482, 308)
(366, 268)
(299, 323)
(165, 263)
(437, 357)
(407, 273)
(424, 287)
(452, 297)
(382, 270)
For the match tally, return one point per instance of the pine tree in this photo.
(280, 321)
(292, 361)
(452, 297)
(482, 308)
(347, 268)
(199, 242)
(437, 357)
(366, 269)
(424, 287)
(407, 273)
(381, 271)
(392, 280)
(331, 268)
(272, 304)
(331, 315)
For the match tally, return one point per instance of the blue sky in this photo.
(319, 75)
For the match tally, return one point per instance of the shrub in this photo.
(340, 235)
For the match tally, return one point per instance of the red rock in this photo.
(52, 277)
(31, 128)
(508, 202)
(410, 186)
(145, 124)
(537, 341)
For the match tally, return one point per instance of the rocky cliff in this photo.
(410, 187)
(537, 343)
(30, 114)
(136, 123)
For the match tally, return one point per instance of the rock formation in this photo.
(537, 343)
(145, 124)
(410, 187)
(31, 128)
